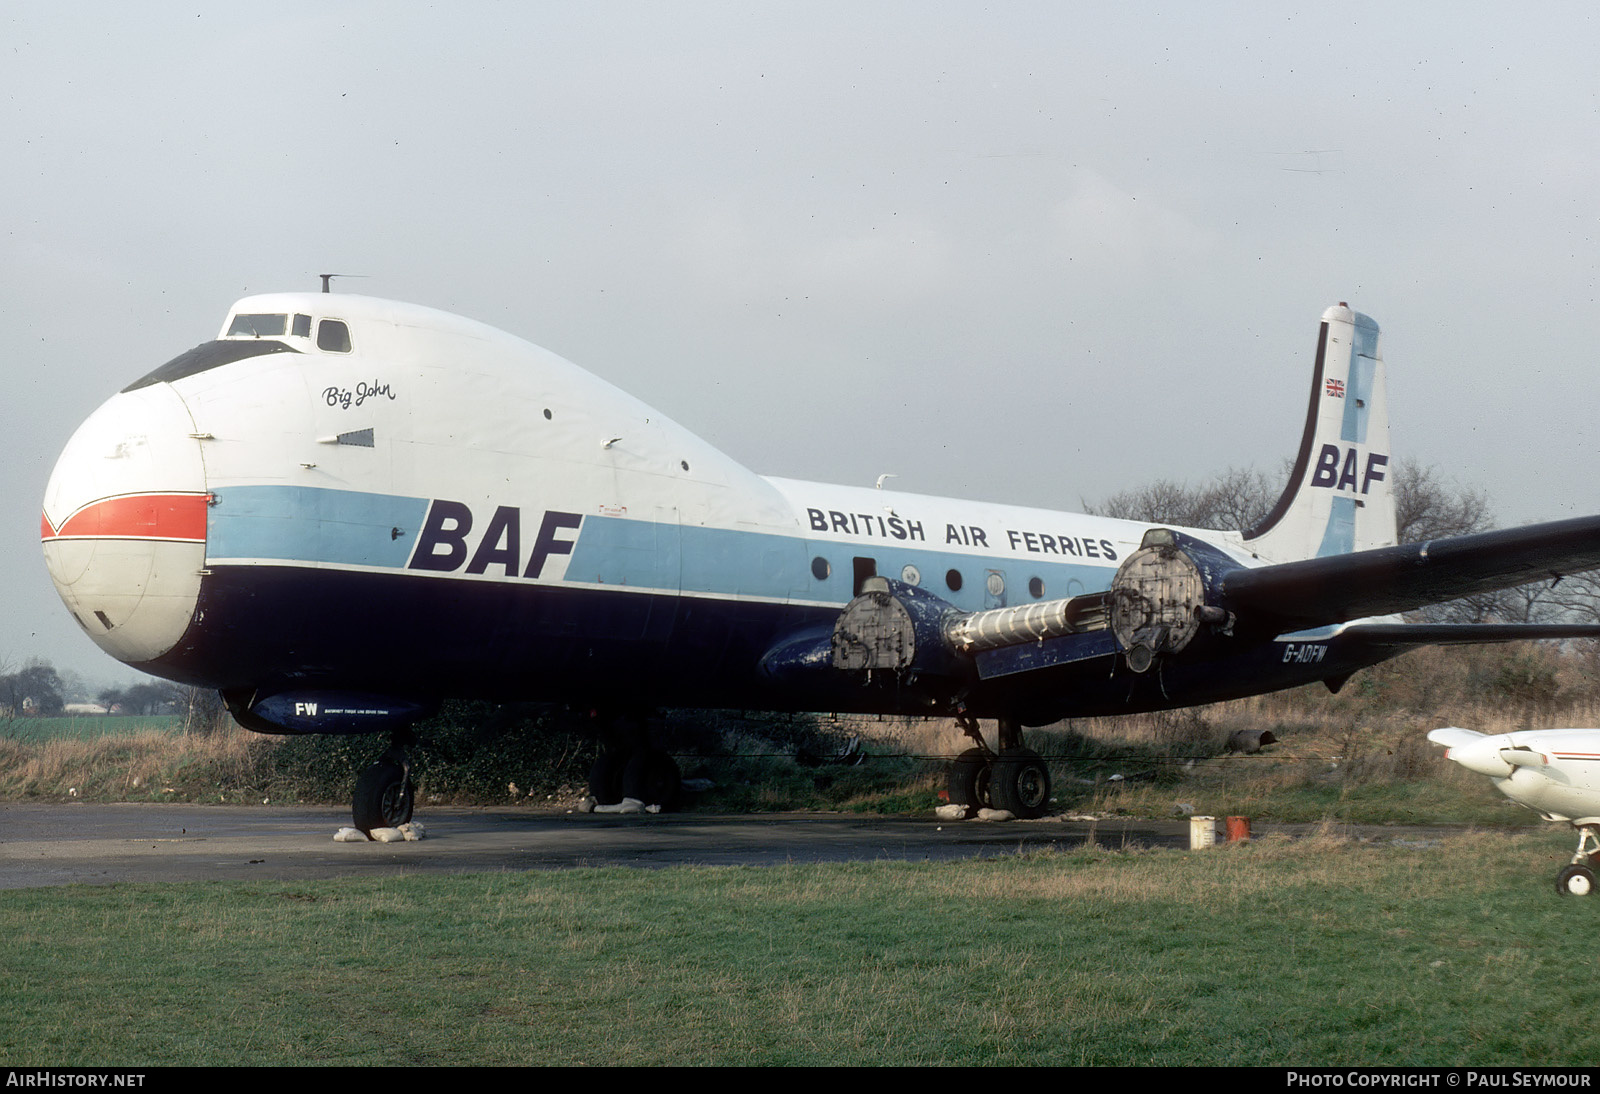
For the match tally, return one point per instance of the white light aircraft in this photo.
(1554, 772)
(343, 510)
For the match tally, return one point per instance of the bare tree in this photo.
(34, 689)
(1234, 500)
(1426, 508)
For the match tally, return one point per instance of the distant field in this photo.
(88, 727)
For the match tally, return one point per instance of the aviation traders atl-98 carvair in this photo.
(343, 510)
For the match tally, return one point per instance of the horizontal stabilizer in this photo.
(1462, 634)
(1337, 588)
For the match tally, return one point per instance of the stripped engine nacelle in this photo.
(1160, 600)
(874, 631)
(1160, 596)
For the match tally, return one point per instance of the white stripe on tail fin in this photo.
(1340, 496)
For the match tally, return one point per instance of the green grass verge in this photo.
(1316, 952)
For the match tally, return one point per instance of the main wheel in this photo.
(652, 777)
(384, 797)
(969, 779)
(1020, 783)
(1575, 880)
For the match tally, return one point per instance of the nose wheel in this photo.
(1575, 881)
(1578, 879)
(385, 795)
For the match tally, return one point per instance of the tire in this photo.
(384, 797)
(1575, 880)
(969, 779)
(605, 777)
(652, 777)
(1021, 783)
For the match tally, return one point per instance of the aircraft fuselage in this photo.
(350, 495)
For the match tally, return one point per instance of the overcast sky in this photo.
(1029, 252)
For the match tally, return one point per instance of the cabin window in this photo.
(952, 579)
(333, 336)
(258, 326)
(302, 326)
(820, 568)
(1036, 587)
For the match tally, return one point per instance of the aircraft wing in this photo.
(1337, 588)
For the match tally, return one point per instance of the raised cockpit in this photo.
(248, 333)
(332, 335)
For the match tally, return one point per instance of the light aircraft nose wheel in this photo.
(384, 796)
(1021, 783)
(1575, 880)
(969, 781)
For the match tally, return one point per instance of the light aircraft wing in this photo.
(1339, 588)
(1454, 736)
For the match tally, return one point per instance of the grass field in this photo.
(1320, 951)
(88, 727)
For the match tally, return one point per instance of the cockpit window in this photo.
(302, 326)
(259, 326)
(210, 355)
(333, 336)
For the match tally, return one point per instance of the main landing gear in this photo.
(1014, 779)
(1578, 879)
(385, 795)
(629, 767)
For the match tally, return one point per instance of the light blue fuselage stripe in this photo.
(342, 527)
(612, 551)
(313, 524)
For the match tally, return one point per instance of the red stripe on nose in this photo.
(137, 516)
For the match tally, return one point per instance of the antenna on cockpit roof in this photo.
(326, 278)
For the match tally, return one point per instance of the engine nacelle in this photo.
(1162, 596)
(894, 627)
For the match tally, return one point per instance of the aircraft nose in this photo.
(1483, 756)
(124, 524)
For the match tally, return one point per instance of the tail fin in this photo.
(1339, 498)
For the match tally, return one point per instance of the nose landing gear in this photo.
(385, 795)
(1578, 879)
